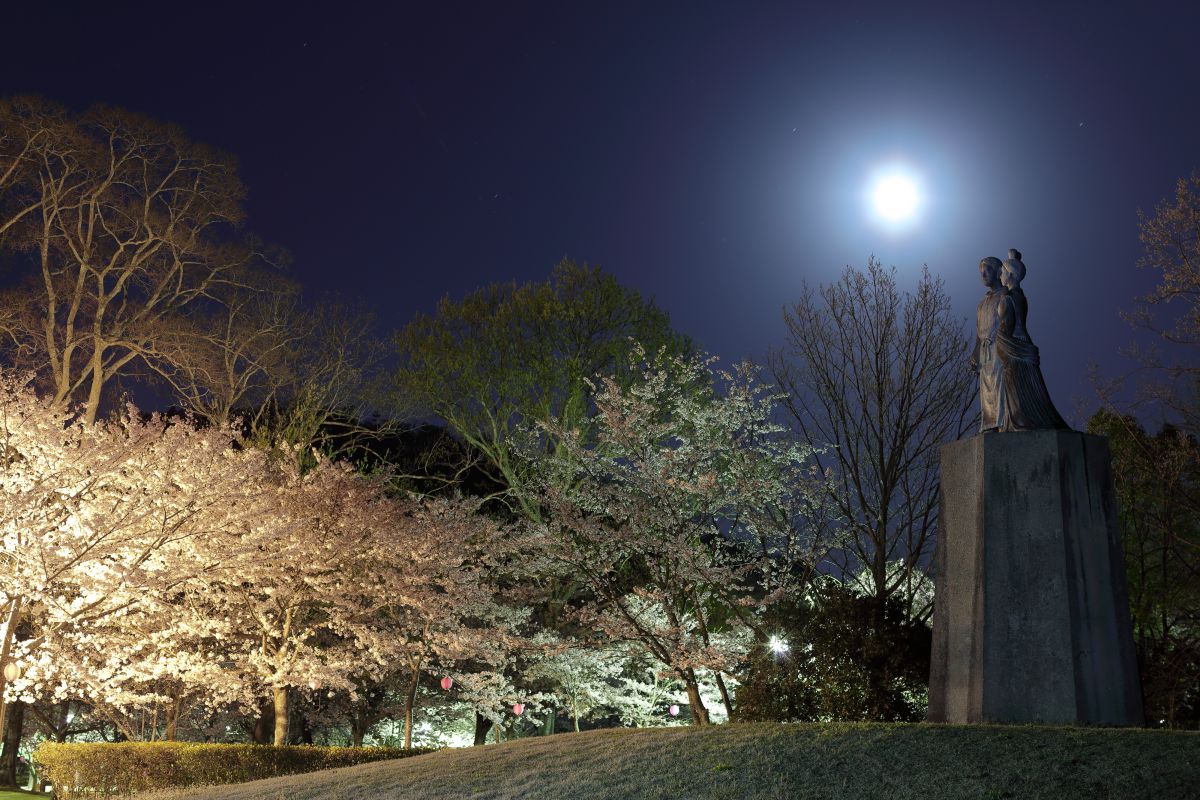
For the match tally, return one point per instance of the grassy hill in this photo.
(773, 762)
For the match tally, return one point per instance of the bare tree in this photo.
(27, 127)
(320, 388)
(127, 222)
(1166, 382)
(296, 374)
(1167, 369)
(880, 380)
(231, 356)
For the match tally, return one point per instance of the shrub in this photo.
(843, 664)
(117, 770)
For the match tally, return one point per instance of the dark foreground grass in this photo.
(775, 762)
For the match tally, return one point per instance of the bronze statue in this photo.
(1027, 401)
(984, 358)
(1012, 392)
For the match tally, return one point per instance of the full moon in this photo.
(895, 197)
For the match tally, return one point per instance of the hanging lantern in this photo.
(11, 671)
(447, 682)
(673, 710)
(518, 708)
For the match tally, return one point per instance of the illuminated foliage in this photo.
(510, 355)
(685, 508)
(160, 568)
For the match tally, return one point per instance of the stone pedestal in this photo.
(1031, 621)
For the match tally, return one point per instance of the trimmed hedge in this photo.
(123, 768)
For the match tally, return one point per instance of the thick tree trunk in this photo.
(482, 726)
(549, 723)
(261, 734)
(410, 699)
(575, 713)
(281, 715)
(12, 743)
(95, 390)
(699, 712)
(172, 721)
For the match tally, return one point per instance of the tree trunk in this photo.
(62, 726)
(725, 697)
(172, 720)
(358, 728)
(410, 700)
(699, 712)
(264, 725)
(281, 715)
(259, 735)
(575, 713)
(10, 625)
(12, 743)
(482, 726)
(549, 723)
(874, 660)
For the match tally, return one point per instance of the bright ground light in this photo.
(895, 197)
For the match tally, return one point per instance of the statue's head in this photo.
(989, 271)
(1013, 271)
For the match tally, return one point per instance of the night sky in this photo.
(711, 155)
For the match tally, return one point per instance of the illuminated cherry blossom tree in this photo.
(162, 568)
(687, 507)
(101, 523)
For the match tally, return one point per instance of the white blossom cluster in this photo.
(152, 567)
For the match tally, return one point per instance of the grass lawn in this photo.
(773, 762)
(8, 794)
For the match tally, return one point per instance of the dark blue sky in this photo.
(712, 155)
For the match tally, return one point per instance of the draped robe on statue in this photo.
(991, 384)
(1023, 401)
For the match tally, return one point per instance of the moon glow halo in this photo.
(894, 198)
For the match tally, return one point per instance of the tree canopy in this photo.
(509, 355)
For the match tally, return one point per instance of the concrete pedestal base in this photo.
(1031, 622)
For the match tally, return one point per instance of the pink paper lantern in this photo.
(673, 711)
(447, 682)
(518, 708)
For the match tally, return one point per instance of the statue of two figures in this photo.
(1012, 393)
